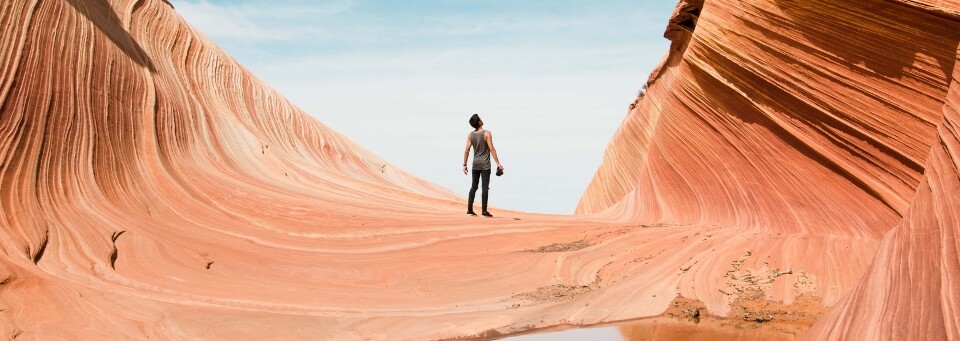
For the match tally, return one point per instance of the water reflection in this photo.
(670, 329)
(577, 334)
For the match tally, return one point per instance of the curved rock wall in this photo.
(809, 117)
(912, 290)
(152, 187)
(135, 156)
(784, 115)
(148, 109)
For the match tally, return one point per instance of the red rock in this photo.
(816, 117)
(151, 187)
(911, 290)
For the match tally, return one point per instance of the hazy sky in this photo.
(551, 79)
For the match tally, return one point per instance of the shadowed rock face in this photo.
(152, 187)
(791, 95)
(809, 116)
(911, 291)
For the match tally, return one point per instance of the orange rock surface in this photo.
(151, 187)
(809, 117)
(912, 290)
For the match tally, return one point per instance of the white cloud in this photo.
(309, 10)
(310, 23)
(518, 60)
(219, 22)
(256, 22)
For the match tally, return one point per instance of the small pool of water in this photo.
(592, 334)
(668, 329)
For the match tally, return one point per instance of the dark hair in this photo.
(475, 121)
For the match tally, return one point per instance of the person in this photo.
(482, 142)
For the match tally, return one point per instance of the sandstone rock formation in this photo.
(152, 187)
(912, 290)
(809, 117)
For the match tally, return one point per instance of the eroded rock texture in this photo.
(912, 291)
(150, 187)
(809, 117)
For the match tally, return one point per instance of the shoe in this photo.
(487, 214)
(470, 213)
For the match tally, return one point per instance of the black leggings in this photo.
(477, 174)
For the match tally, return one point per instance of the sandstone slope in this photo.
(912, 290)
(809, 117)
(151, 187)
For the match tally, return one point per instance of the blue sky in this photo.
(552, 79)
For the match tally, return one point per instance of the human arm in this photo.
(493, 151)
(466, 154)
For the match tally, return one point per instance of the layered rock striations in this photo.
(143, 168)
(783, 95)
(809, 118)
(912, 290)
(151, 187)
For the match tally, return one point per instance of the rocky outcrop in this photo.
(809, 117)
(753, 105)
(911, 290)
(116, 117)
(151, 187)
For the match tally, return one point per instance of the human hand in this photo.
(464, 170)
(500, 166)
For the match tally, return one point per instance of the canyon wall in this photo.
(808, 116)
(912, 290)
(783, 115)
(799, 153)
(135, 155)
